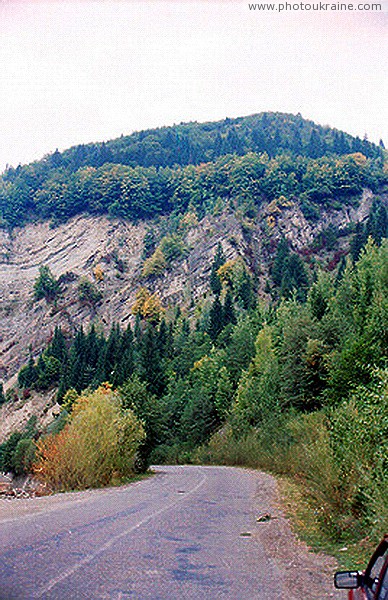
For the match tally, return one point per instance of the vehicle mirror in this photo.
(347, 580)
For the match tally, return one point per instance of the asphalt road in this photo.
(177, 535)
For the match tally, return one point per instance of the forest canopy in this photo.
(165, 170)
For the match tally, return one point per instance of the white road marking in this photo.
(53, 582)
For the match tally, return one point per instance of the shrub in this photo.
(148, 305)
(359, 436)
(87, 291)
(68, 399)
(154, 265)
(23, 456)
(172, 247)
(96, 447)
(46, 286)
(7, 450)
(2, 395)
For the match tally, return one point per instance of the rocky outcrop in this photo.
(15, 415)
(109, 252)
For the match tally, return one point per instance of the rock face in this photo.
(71, 250)
(109, 252)
(15, 415)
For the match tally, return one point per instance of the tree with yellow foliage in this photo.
(98, 273)
(155, 264)
(148, 306)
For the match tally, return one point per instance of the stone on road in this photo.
(187, 533)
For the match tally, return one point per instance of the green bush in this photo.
(88, 292)
(359, 437)
(46, 286)
(23, 456)
(154, 265)
(172, 247)
(7, 450)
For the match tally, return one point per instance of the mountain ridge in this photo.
(162, 171)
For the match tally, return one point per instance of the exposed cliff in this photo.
(115, 247)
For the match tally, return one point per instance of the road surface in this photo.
(186, 533)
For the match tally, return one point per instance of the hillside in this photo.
(163, 171)
(75, 249)
(232, 311)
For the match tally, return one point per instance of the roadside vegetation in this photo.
(297, 387)
(294, 384)
(96, 447)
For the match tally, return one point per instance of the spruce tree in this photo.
(216, 321)
(277, 268)
(28, 375)
(162, 337)
(377, 224)
(358, 240)
(125, 362)
(244, 293)
(228, 312)
(294, 278)
(149, 361)
(57, 347)
(46, 286)
(2, 395)
(218, 261)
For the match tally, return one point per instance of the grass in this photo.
(339, 513)
(305, 522)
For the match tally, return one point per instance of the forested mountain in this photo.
(161, 171)
(226, 284)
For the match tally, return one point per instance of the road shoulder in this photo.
(306, 574)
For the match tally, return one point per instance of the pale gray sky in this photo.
(79, 71)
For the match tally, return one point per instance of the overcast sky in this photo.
(80, 71)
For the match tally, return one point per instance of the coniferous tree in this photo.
(2, 395)
(216, 321)
(162, 337)
(112, 353)
(63, 386)
(77, 362)
(241, 349)
(277, 268)
(137, 329)
(88, 292)
(294, 278)
(218, 261)
(340, 271)
(125, 362)
(244, 292)
(297, 144)
(28, 375)
(228, 312)
(377, 224)
(57, 347)
(357, 242)
(46, 286)
(314, 148)
(150, 368)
